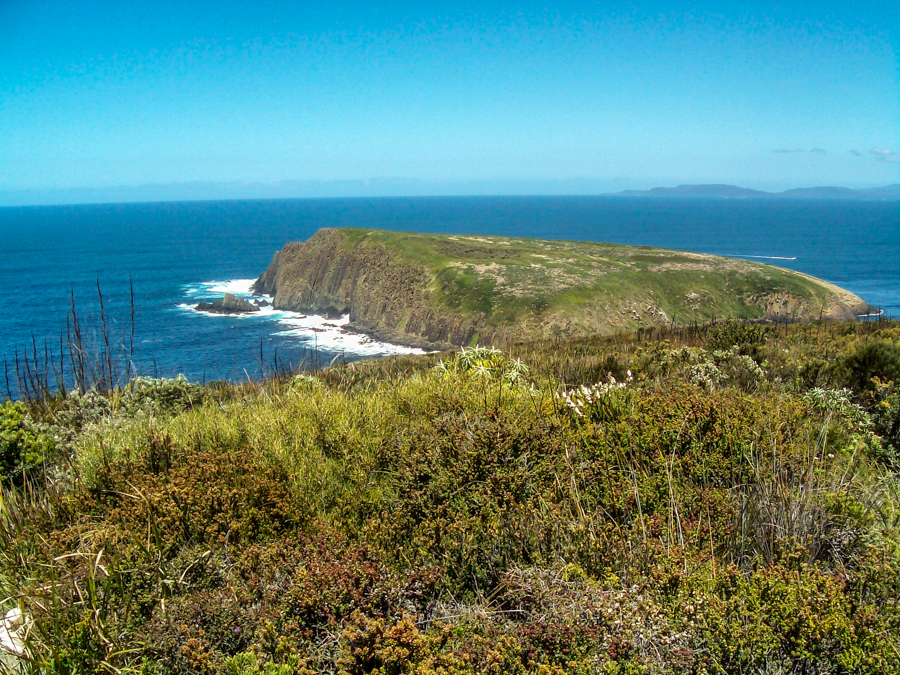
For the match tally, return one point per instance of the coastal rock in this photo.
(229, 304)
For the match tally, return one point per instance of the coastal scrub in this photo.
(712, 499)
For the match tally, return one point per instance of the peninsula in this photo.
(435, 290)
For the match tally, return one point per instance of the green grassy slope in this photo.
(506, 287)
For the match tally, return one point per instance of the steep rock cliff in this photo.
(384, 294)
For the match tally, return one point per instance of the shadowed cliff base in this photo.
(437, 290)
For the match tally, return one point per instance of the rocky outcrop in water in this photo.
(229, 304)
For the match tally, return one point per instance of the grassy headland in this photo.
(717, 499)
(462, 290)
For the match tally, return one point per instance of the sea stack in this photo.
(229, 304)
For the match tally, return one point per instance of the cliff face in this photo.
(384, 294)
(440, 290)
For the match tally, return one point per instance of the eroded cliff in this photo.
(384, 294)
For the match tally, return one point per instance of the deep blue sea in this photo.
(176, 254)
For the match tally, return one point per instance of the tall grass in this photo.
(86, 356)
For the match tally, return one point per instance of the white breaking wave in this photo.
(239, 287)
(312, 330)
(771, 257)
(332, 335)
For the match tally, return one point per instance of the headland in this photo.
(437, 290)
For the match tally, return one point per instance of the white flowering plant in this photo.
(601, 402)
(486, 364)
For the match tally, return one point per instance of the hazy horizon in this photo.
(99, 99)
(374, 188)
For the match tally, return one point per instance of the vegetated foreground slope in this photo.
(461, 290)
(712, 499)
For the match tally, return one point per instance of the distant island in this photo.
(435, 290)
(716, 191)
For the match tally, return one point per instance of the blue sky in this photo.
(769, 95)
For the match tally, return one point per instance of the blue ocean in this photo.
(174, 255)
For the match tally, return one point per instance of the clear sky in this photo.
(772, 95)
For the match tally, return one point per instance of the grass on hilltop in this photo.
(508, 279)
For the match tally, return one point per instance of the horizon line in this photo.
(218, 191)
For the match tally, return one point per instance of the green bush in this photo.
(884, 405)
(24, 449)
(744, 336)
(877, 359)
(792, 620)
(165, 395)
(248, 663)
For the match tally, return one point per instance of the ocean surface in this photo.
(175, 254)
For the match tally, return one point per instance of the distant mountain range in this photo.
(409, 187)
(888, 192)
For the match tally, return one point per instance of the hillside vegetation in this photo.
(718, 499)
(429, 289)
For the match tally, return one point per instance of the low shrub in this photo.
(24, 447)
(877, 359)
(162, 395)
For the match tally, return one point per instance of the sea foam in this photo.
(241, 287)
(312, 330)
(333, 336)
(771, 257)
